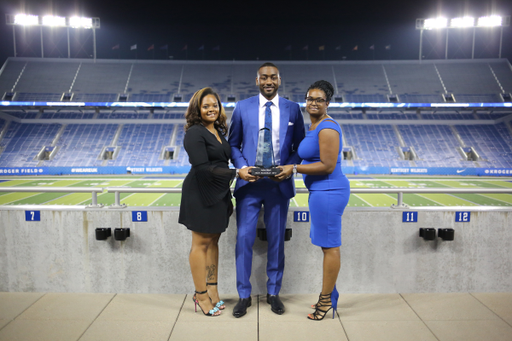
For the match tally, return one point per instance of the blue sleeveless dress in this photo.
(328, 194)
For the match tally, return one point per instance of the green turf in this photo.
(499, 183)
(378, 199)
(447, 199)
(9, 198)
(418, 200)
(507, 198)
(70, 199)
(356, 201)
(428, 184)
(168, 199)
(38, 199)
(480, 199)
(12, 183)
(300, 200)
(403, 183)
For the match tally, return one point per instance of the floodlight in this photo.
(26, 20)
(431, 24)
(50, 20)
(78, 22)
(462, 22)
(491, 21)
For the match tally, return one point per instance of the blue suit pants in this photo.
(249, 200)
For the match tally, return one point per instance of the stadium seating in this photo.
(36, 79)
(435, 145)
(140, 145)
(375, 143)
(22, 143)
(81, 144)
(492, 142)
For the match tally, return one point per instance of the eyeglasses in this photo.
(316, 100)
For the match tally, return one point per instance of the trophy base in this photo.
(272, 171)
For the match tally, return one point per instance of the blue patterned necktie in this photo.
(267, 138)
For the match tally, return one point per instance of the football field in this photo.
(301, 200)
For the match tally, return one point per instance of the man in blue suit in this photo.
(252, 192)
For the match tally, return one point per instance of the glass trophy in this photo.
(265, 162)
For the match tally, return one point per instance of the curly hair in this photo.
(325, 86)
(193, 113)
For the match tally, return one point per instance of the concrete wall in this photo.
(380, 254)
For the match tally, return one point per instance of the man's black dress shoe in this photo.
(241, 307)
(275, 304)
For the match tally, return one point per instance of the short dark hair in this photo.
(268, 64)
(325, 86)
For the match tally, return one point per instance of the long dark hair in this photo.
(193, 114)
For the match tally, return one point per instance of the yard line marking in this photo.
(357, 196)
(295, 201)
(156, 199)
(506, 202)
(440, 184)
(452, 195)
(99, 195)
(389, 195)
(487, 182)
(66, 194)
(30, 196)
(424, 197)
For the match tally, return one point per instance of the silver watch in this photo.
(294, 169)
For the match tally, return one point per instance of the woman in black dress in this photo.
(206, 197)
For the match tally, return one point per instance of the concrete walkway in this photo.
(361, 317)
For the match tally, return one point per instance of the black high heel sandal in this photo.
(220, 305)
(196, 303)
(324, 301)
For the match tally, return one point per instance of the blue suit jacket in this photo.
(243, 137)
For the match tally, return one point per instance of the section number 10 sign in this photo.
(301, 216)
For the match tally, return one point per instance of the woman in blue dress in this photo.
(329, 189)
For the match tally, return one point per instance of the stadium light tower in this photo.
(52, 21)
(462, 23)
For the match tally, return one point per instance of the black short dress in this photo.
(206, 196)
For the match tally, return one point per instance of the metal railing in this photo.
(399, 191)
(118, 190)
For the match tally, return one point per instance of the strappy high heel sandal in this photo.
(212, 312)
(220, 305)
(329, 301)
(314, 306)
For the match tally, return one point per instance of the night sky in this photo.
(250, 30)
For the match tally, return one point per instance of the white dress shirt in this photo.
(275, 123)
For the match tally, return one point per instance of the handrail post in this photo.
(117, 201)
(94, 201)
(400, 201)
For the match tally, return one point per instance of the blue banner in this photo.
(185, 170)
(93, 170)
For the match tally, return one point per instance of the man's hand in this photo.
(244, 174)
